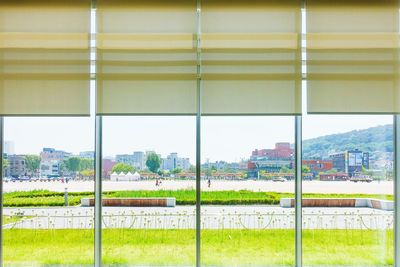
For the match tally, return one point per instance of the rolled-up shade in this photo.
(44, 55)
(352, 56)
(146, 57)
(251, 62)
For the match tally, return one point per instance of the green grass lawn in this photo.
(11, 219)
(183, 197)
(122, 247)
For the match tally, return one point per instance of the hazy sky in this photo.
(223, 138)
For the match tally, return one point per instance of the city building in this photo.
(317, 166)
(173, 161)
(270, 160)
(139, 160)
(281, 151)
(226, 166)
(125, 158)
(50, 168)
(17, 165)
(350, 161)
(49, 154)
(87, 154)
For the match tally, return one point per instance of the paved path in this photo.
(347, 187)
(213, 217)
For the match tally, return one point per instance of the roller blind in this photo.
(146, 57)
(44, 55)
(352, 56)
(251, 57)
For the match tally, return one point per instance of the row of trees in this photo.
(153, 163)
(71, 165)
(84, 166)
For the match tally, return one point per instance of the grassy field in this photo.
(122, 247)
(183, 197)
(12, 219)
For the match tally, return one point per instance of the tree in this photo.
(333, 170)
(86, 164)
(6, 164)
(153, 162)
(366, 171)
(177, 170)
(192, 168)
(122, 167)
(262, 173)
(285, 169)
(89, 173)
(32, 163)
(305, 169)
(72, 164)
(208, 172)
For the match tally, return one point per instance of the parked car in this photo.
(361, 178)
(279, 179)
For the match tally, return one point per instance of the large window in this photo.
(48, 169)
(149, 160)
(207, 133)
(247, 167)
(348, 190)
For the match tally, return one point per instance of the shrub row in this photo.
(183, 197)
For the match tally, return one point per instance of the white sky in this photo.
(223, 138)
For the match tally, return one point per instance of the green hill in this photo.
(379, 138)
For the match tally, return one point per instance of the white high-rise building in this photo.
(173, 161)
(139, 160)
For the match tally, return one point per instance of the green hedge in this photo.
(183, 197)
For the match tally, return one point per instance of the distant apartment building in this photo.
(139, 160)
(281, 151)
(125, 158)
(9, 147)
(173, 161)
(6, 170)
(218, 165)
(350, 161)
(49, 154)
(223, 165)
(50, 168)
(17, 165)
(87, 154)
(270, 160)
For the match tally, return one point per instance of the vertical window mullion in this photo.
(198, 136)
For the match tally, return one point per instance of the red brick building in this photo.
(317, 166)
(281, 151)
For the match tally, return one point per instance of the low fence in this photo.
(210, 219)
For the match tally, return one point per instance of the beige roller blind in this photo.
(44, 55)
(352, 56)
(251, 60)
(146, 57)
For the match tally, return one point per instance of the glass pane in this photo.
(247, 169)
(48, 171)
(348, 190)
(149, 191)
